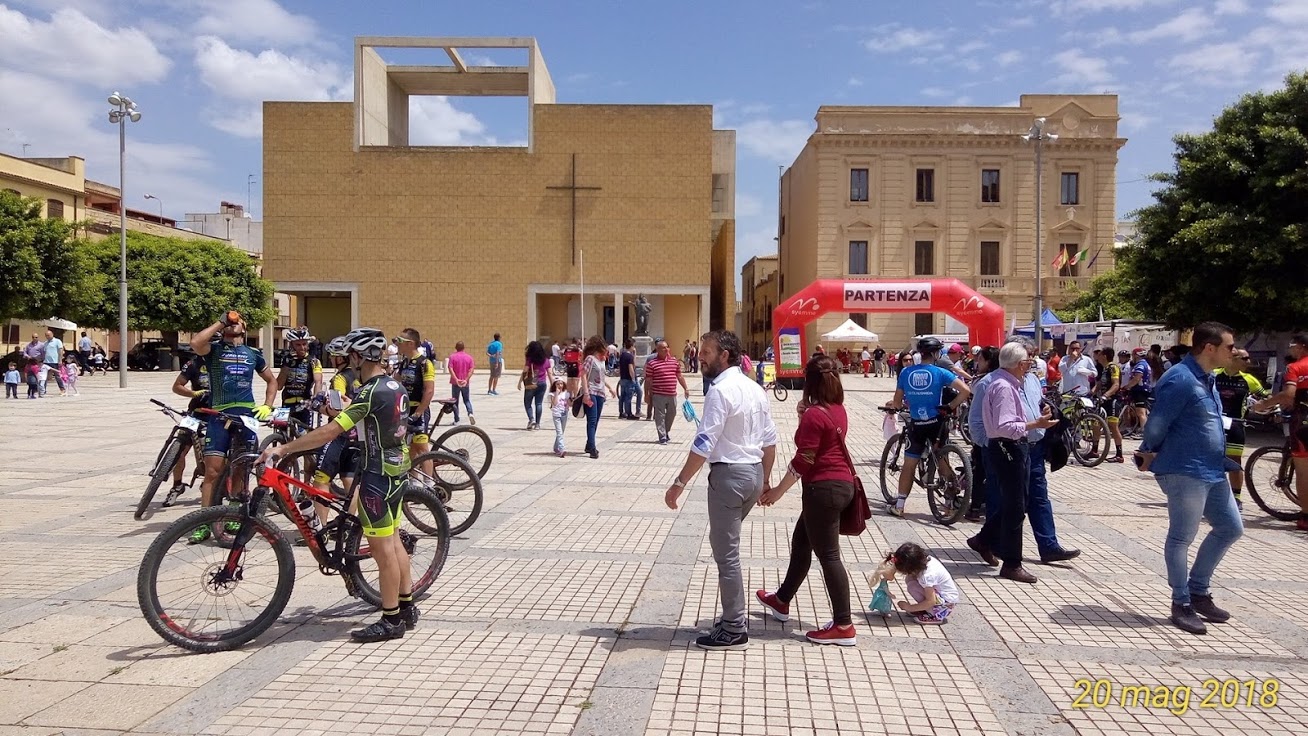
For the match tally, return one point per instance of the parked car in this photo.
(151, 355)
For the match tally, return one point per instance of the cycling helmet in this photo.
(368, 342)
(336, 347)
(296, 334)
(929, 345)
(976, 349)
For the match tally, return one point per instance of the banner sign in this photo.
(792, 355)
(903, 296)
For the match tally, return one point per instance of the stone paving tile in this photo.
(109, 706)
(770, 540)
(798, 689)
(540, 590)
(635, 536)
(1189, 699)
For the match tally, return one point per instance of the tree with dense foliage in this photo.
(1109, 292)
(177, 285)
(1227, 237)
(44, 273)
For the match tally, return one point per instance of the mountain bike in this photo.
(1087, 434)
(454, 481)
(468, 442)
(949, 499)
(187, 435)
(217, 595)
(1269, 473)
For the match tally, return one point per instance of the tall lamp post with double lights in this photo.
(1038, 136)
(122, 110)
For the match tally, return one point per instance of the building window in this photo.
(858, 185)
(924, 258)
(10, 331)
(858, 257)
(989, 185)
(1070, 192)
(926, 185)
(54, 209)
(990, 258)
(859, 318)
(1068, 253)
(924, 323)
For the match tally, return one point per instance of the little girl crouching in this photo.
(929, 583)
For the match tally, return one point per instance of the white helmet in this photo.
(368, 342)
(336, 347)
(296, 334)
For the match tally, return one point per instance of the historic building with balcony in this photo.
(758, 297)
(913, 192)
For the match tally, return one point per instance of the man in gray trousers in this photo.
(738, 440)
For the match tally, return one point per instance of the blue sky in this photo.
(199, 68)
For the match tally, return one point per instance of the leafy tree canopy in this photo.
(44, 273)
(175, 284)
(1227, 238)
(1110, 292)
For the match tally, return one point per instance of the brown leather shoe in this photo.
(1017, 574)
(983, 551)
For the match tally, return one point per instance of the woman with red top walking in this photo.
(821, 464)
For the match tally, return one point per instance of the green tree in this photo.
(1227, 238)
(45, 272)
(175, 284)
(1110, 292)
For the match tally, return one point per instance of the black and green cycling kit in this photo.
(380, 411)
(300, 375)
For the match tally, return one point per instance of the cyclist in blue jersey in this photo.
(922, 387)
(231, 365)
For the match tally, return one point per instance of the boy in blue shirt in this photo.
(12, 379)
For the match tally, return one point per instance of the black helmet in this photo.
(929, 345)
(368, 342)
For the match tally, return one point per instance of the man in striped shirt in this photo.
(662, 374)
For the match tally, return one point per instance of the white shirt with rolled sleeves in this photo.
(1077, 374)
(737, 421)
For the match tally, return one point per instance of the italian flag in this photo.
(1080, 256)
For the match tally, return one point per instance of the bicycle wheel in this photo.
(949, 500)
(1269, 473)
(779, 391)
(1088, 450)
(427, 544)
(454, 483)
(470, 443)
(162, 470)
(187, 599)
(892, 459)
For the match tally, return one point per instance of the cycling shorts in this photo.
(920, 434)
(573, 370)
(1112, 407)
(1140, 398)
(336, 458)
(379, 503)
(1235, 439)
(418, 427)
(1299, 441)
(218, 435)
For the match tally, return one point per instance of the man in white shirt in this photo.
(738, 440)
(1077, 369)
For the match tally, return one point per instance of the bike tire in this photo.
(457, 486)
(1083, 433)
(948, 511)
(891, 465)
(162, 470)
(780, 392)
(1262, 474)
(363, 573)
(169, 625)
(478, 453)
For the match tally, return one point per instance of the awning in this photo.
(59, 324)
(850, 332)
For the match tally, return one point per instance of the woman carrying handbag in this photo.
(830, 489)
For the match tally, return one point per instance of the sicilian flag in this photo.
(1079, 256)
(1060, 260)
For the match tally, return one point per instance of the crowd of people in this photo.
(42, 360)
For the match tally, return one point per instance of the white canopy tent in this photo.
(851, 332)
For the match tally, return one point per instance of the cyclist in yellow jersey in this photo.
(1108, 386)
(337, 458)
(417, 373)
(379, 412)
(300, 378)
(1235, 386)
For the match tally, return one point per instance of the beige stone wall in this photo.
(60, 179)
(447, 239)
(758, 283)
(956, 143)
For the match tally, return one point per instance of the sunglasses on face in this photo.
(398, 340)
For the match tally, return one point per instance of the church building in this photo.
(553, 238)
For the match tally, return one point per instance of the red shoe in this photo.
(780, 611)
(844, 636)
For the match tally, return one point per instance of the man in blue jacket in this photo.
(1185, 448)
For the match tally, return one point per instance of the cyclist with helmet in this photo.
(922, 387)
(300, 378)
(231, 365)
(380, 411)
(417, 373)
(337, 458)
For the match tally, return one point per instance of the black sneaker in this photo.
(410, 616)
(722, 640)
(1204, 606)
(1186, 620)
(378, 631)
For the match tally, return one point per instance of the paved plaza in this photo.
(572, 604)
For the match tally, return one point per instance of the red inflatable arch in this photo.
(984, 318)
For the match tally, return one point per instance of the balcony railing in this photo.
(992, 283)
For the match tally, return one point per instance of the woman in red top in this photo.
(828, 487)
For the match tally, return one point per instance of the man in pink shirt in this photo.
(461, 367)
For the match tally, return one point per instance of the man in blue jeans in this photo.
(1184, 447)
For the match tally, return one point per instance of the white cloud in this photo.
(252, 20)
(779, 141)
(1190, 25)
(1085, 7)
(433, 121)
(1009, 58)
(934, 92)
(855, 82)
(894, 37)
(747, 205)
(1081, 71)
(1133, 121)
(971, 47)
(1230, 61)
(72, 46)
(268, 75)
(1231, 7)
(1289, 12)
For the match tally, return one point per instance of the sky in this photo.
(199, 69)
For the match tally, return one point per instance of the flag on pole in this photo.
(1092, 260)
(1101, 313)
(1079, 256)
(1060, 260)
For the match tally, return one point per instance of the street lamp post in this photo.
(1038, 136)
(123, 109)
(160, 201)
(249, 186)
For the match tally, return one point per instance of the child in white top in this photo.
(929, 583)
(70, 371)
(560, 405)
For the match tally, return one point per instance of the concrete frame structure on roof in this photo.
(382, 91)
